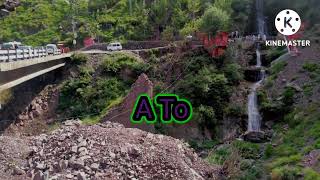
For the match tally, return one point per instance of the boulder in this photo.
(81, 176)
(38, 176)
(255, 136)
(18, 171)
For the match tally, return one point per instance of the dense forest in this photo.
(38, 22)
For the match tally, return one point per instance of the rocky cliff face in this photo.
(121, 114)
(36, 99)
(103, 151)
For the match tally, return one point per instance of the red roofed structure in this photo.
(215, 45)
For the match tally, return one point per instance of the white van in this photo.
(52, 48)
(114, 46)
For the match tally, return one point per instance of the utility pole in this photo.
(130, 7)
(75, 35)
(73, 22)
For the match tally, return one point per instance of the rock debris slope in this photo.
(110, 151)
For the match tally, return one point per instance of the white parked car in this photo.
(189, 37)
(114, 46)
(10, 45)
(51, 48)
(23, 47)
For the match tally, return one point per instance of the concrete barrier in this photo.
(9, 66)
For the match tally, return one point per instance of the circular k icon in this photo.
(288, 22)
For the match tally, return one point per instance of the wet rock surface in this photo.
(109, 151)
(256, 136)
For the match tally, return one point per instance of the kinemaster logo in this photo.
(289, 25)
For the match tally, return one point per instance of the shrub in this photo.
(247, 150)
(310, 174)
(269, 82)
(112, 64)
(278, 67)
(285, 173)
(289, 160)
(235, 110)
(268, 151)
(206, 116)
(168, 34)
(288, 97)
(252, 173)
(79, 58)
(80, 97)
(191, 27)
(311, 67)
(219, 156)
(308, 89)
(273, 54)
(233, 73)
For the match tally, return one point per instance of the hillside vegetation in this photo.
(37, 22)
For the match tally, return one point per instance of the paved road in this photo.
(97, 51)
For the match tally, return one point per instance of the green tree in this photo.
(215, 19)
(194, 7)
(159, 15)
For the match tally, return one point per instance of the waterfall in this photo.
(253, 112)
(258, 58)
(254, 117)
(260, 17)
(254, 121)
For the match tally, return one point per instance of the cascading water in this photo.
(254, 121)
(258, 58)
(260, 17)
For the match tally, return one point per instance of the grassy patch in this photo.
(277, 67)
(252, 172)
(240, 159)
(219, 156)
(311, 67)
(273, 54)
(90, 120)
(286, 172)
(247, 150)
(54, 126)
(310, 174)
(308, 89)
(288, 160)
(79, 58)
(304, 128)
(114, 63)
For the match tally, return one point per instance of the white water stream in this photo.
(254, 117)
(254, 121)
